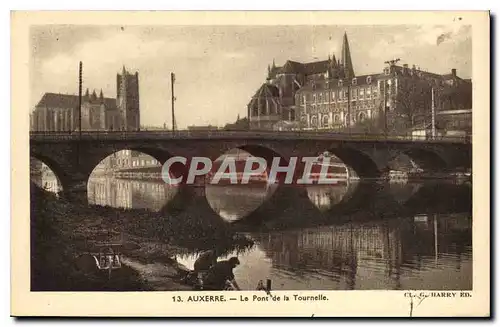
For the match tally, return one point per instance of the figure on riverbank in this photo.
(206, 260)
(201, 267)
(221, 275)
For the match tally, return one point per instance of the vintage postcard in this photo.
(277, 164)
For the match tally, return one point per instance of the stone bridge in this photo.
(73, 156)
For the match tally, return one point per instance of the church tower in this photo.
(127, 100)
(346, 60)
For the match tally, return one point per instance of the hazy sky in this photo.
(219, 68)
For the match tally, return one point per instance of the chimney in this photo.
(405, 68)
(454, 72)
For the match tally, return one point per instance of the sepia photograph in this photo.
(251, 162)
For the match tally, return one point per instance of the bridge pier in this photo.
(189, 200)
(76, 192)
(288, 206)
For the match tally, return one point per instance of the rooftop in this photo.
(69, 101)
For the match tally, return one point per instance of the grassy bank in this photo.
(64, 234)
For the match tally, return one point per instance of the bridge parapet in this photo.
(250, 135)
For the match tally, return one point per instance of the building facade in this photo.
(329, 95)
(59, 112)
(275, 100)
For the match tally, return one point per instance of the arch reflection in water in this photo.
(326, 196)
(434, 252)
(120, 193)
(235, 202)
(402, 192)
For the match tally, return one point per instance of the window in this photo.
(326, 97)
(333, 95)
(314, 98)
(355, 93)
(354, 81)
(368, 92)
(368, 80)
(320, 97)
(325, 121)
(341, 83)
(304, 99)
(386, 71)
(314, 121)
(361, 116)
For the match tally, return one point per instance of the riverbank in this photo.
(65, 235)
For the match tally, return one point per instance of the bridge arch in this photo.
(362, 163)
(426, 159)
(56, 169)
(136, 179)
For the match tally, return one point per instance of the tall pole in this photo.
(435, 239)
(349, 107)
(79, 110)
(80, 100)
(172, 79)
(433, 118)
(385, 107)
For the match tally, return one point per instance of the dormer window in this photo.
(341, 82)
(386, 71)
(354, 81)
(368, 80)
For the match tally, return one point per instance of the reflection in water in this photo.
(119, 193)
(326, 196)
(430, 253)
(235, 202)
(402, 192)
(421, 252)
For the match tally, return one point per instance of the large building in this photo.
(59, 112)
(329, 95)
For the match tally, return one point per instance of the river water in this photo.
(423, 251)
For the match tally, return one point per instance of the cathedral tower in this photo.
(127, 100)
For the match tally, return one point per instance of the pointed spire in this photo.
(94, 95)
(333, 62)
(346, 59)
(124, 71)
(101, 96)
(87, 93)
(274, 64)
